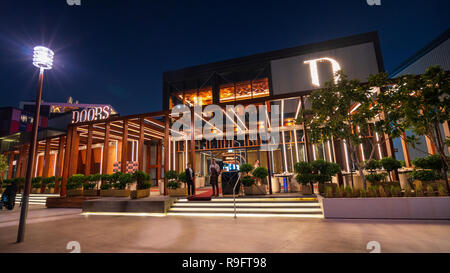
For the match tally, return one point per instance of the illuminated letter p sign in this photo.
(315, 74)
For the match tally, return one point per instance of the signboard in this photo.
(309, 71)
(91, 114)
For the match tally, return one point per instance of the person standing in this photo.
(214, 180)
(190, 179)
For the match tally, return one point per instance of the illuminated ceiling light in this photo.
(43, 57)
(314, 72)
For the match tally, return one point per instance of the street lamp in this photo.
(43, 59)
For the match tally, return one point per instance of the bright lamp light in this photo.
(43, 57)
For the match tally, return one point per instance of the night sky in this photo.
(115, 51)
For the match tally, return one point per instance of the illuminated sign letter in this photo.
(315, 74)
(75, 116)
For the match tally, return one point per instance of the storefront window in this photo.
(227, 93)
(260, 88)
(243, 90)
(190, 97)
(205, 96)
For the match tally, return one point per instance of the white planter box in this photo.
(433, 208)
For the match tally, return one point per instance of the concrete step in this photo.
(36, 199)
(288, 206)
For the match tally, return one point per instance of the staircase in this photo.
(35, 199)
(299, 207)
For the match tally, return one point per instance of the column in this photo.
(59, 161)
(141, 144)
(446, 133)
(123, 165)
(405, 148)
(65, 173)
(10, 165)
(106, 149)
(87, 169)
(166, 150)
(46, 162)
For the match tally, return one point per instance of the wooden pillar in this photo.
(141, 144)
(106, 149)
(149, 147)
(166, 150)
(158, 160)
(65, 173)
(73, 162)
(87, 169)
(123, 164)
(405, 148)
(10, 166)
(46, 158)
(59, 161)
(46, 166)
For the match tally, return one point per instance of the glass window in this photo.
(227, 92)
(243, 90)
(175, 99)
(205, 96)
(190, 97)
(260, 88)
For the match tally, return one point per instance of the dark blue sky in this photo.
(115, 51)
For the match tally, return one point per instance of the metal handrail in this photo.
(234, 193)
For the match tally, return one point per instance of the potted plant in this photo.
(249, 185)
(120, 187)
(45, 184)
(142, 185)
(173, 184)
(75, 185)
(260, 174)
(51, 187)
(304, 176)
(323, 172)
(90, 186)
(106, 186)
(390, 164)
(36, 184)
(19, 183)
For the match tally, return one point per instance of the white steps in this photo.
(35, 199)
(299, 207)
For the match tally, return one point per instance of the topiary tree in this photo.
(260, 173)
(304, 173)
(390, 164)
(372, 165)
(75, 181)
(246, 168)
(143, 180)
(182, 177)
(123, 180)
(172, 180)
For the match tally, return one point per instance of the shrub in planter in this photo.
(75, 184)
(247, 181)
(260, 174)
(390, 164)
(362, 193)
(142, 185)
(304, 176)
(408, 192)
(442, 191)
(328, 192)
(340, 192)
(419, 190)
(382, 192)
(356, 192)
(182, 177)
(20, 182)
(36, 184)
(90, 186)
(46, 181)
(431, 162)
(120, 186)
(323, 171)
(396, 191)
(173, 184)
(246, 168)
(348, 192)
(373, 191)
(424, 175)
(430, 191)
(372, 165)
(375, 178)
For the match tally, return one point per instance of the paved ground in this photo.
(50, 230)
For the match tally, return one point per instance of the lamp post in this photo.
(43, 59)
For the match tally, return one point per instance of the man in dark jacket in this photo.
(190, 179)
